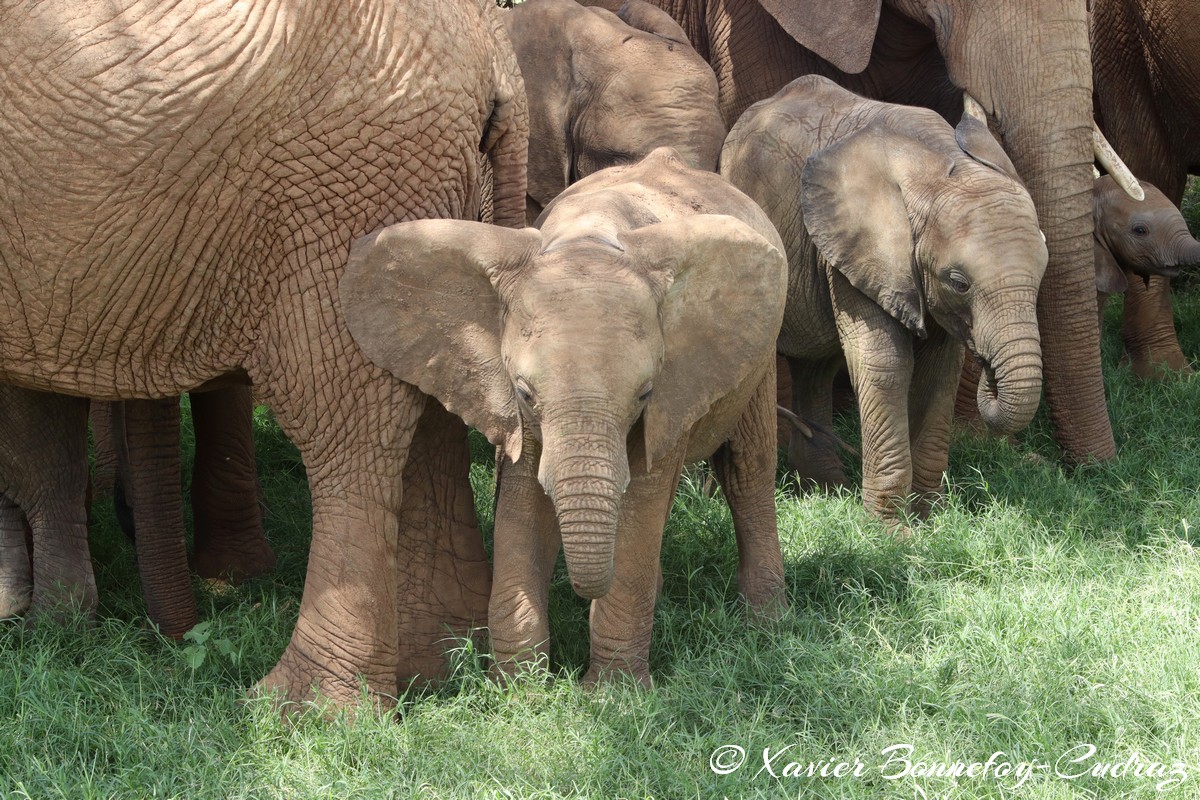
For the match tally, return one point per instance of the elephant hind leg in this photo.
(815, 461)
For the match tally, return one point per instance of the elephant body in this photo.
(1026, 61)
(633, 333)
(181, 186)
(1143, 240)
(907, 240)
(1146, 71)
(606, 90)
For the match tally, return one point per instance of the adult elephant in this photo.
(186, 224)
(1027, 62)
(1145, 58)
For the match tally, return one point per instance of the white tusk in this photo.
(1042, 234)
(1095, 171)
(973, 108)
(1112, 162)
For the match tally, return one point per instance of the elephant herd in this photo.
(679, 192)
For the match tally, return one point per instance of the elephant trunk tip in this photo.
(1008, 403)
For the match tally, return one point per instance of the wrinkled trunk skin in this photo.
(1010, 387)
(585, 471)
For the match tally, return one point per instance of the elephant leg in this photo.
(783, 398)
(966, 404)
(622, 621)
(446, 580)
(153, 491)
(937, 367)
(526, 545)
(45, 472)
(745, 467)
(879, 357)
(16, 570)
(228, 541)
(815, 461)
(104, 449)
(352, 423)
(1151, 345)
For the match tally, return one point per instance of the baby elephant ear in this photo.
(852, 198)
(1109, 277)
(974, 139)
(420, 300)
(721, 311)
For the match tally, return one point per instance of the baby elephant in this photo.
(606, 89)
(907, 239)
(630, 335)
(1146, 238)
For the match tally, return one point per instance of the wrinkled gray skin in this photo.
(179, 189)
(607, 89)
(907, 239)
(1144, 239)
(594, 351)
(43, 468)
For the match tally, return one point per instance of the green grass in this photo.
(1039, 609)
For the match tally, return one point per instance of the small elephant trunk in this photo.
(585, 473)
(1010, 381)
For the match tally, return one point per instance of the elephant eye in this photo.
(1140, 229)
(524, 394)
(958, 282)
(644, 395)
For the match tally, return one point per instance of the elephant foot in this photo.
(765, 596)
(63, 603)
(304, 681)
(617, 671)
(1175, 365)
(252, 558)
(16, 595)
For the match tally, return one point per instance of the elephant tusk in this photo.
(1112, 162)
(973, 108)
(1095, 171)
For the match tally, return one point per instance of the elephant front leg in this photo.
(16, 570)
(444, 576)
(937, 366)
(879, 357)
(622, 621)
(745, 467)
(1151, 345)
(228, 540)
(526, 545)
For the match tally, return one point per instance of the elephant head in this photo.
(929, 227)
(606, 90)
(573, 338)
(1149, 237)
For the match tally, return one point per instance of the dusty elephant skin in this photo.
(1142, 240)
(189, 219)
(1146, 63)
(606, 90)
(633, 333)
(907, 239)
(1026, 61)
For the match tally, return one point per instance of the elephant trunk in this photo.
(506, 140)
(585, 471)
(1185, 253)
(1010, 381)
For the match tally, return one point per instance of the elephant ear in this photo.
(852, 200)
(1110, 279)
(840, 31)
(723, 287)
(651, 19)
(974, 139)
(422, 300)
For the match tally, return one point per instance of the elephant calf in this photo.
(907, 240)
(632, 334)
(1147, 238)
(606, 89)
